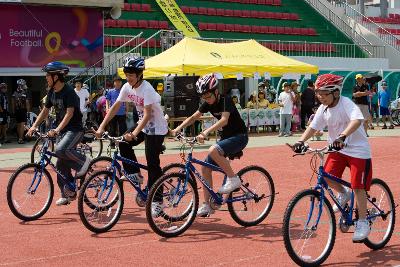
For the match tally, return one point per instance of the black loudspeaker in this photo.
(181, 106)
(180, 86)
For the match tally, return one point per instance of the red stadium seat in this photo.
(254, 14)
(127, 6)
(237, 13)
(277, 2)
(293, 16)
(108, 41)
(311, 31)
(154, 24)
(122, 23)
(143, 24)
(221, 27)
(238, 27)
(246, 28)
(135, 7)
(229, 27)
(261, 2)
(269, 2)
(272, 30)
(280, 30)
(255, 28)
(254, 2)
(146, 7)
(228, 13)
(287, 30)
(220, 12)
(211, 27)
(118, 41)
(296, 31)
(193, 10)
(185, 9)
(211, 11)
(264, 29)
(246, 14)
(132, 23)
(202, 26)
(278, 15)
(202, 11)
(303, 31)
(164, 25)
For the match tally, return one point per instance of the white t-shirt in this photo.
(337, 119)
(83, 97)
(287, 102)
(143, 96)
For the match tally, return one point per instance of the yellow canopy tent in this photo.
(192, 56)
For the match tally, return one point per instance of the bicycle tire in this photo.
(235, 213)
(35, 148)
(82, 198)
(389, 231)
(12, 203)
(300, 260)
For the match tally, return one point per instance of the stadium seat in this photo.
(143, 24)
(221, 27)
(135, 7)
(211, 27)
(303, 31)
(211, 11)
(132, 23)
(202, 26)
(127, 6)
(202, 11)
(296, 31)
(255, 28)
(237, 13)
(153, 24)
(220, 12)
(278, 15)
(246, 28)
(254, 14)
(246, 14)
(269, 2)
(111, 23)
(146, 7)
(293, 16)
(164, 25)
(264, 29)
(229, 27)
(185, 9)
(108, 41)
(228, 13)
(121, 23)
(118, 41)
(254, 2)
(287, 30)
(193, 10)
(276, 2)
(238, 27)
(311, 31)
(261, 2)
(280, 30)
(272, 30)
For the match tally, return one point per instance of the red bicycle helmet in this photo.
(206, 83)
(329, 82)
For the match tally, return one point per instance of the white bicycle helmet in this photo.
(206, 83)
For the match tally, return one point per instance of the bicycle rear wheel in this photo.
(100, 202)
(382, 226)
(395, 114)
(178, 205)
(259, 190)
(30, 192)
(304, 244)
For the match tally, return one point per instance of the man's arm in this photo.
(219, 124)
(65, 120)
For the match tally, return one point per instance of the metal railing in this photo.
(101, 73)
(348, 30)
(383, 34)
(315, 49)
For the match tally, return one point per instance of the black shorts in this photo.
(3, 118)
(20, 115)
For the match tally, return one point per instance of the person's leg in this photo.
(281, 124)
(153, 147)
(335, 165)
(122, 124)
(288, 123)
(66, 150)
(303, 114)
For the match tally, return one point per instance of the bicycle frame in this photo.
(322, 185)
(190, 168)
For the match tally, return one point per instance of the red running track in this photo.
(60, 239)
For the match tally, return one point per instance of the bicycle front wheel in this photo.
(258, 191)
(92, 149)
(380, 200)
(30, 192)
(37, 147)
(177, 205)
(100, 202)
(308, 238)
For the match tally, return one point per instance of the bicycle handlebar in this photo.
(323, 150)
(118, 139)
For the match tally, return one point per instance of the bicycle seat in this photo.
(237, 155)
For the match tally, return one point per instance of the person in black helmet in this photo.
(69, 129)
(234, 137)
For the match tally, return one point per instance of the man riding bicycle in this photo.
(347, 135)
(234, 136)
(69, 129)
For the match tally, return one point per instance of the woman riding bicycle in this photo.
(347, 135)
(234, 136)
(69, 128)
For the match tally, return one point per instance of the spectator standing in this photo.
(235, 91)
(383, 102)
(20, 104)
(307, 103)
(374, 107)
(296, 107)
(286, 100)
(360, 97)
(3, 113)
(83, 95)
(117, 125)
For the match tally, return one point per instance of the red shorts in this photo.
(360, 169)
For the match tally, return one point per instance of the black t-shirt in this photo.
(308, 98)
(66, 98)
(3, 102)
(362, 100)
(235, 124)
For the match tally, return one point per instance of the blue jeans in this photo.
(285, 123)
(68, 158)
(229, 146)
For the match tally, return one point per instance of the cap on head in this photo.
(359, 76)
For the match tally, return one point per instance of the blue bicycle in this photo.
(309, 227)
(30, 189)
(177, 192)
(104, 190)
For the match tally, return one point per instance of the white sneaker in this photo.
(84, 167)
(343, 198)
(230, 185)
(136, 177)
(362, 231)
(205, 210)
(64, 200)
(156, 209)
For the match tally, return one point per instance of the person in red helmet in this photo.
(347, 136)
